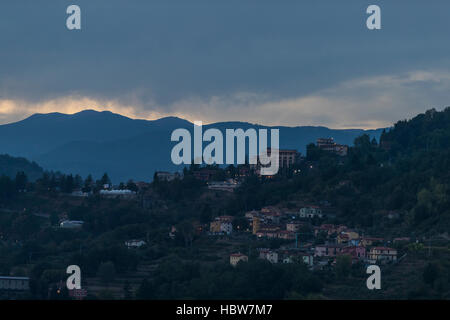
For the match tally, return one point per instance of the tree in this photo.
(155, 178)
(205, 214)
(68, 184)
(240, 224)
(6, 188)
(343, 266)
(107, 272)
(186, 229)
(363, 142)
(127, 293)
(105, 179)
(146, 290)
(132, 186)
(312, 152)
(88, 184)
(54, 219)
(430, 273)
(21, 181)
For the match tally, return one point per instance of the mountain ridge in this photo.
(94, 142)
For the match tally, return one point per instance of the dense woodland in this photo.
(407, 171)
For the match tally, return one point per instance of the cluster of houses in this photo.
(272, 222)
(287, 255)
(318, 256)
(322, 255)
(326, 241)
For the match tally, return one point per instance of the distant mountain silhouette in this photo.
(10, 166)
(91, 142)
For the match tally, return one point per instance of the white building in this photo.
(135, 243)
(308, 259)
(226, 227)
(119, 193)
(229, 185)
(382, 255)
(272, 257)
(311, 212)
(269, 255)
(80, 193)
(14, 283)
(71, 224)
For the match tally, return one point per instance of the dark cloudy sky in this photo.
(270, 62)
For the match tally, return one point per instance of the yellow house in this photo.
(352, 235)
(256, 224)
(370, 241)
(346, 236)
(214, 226)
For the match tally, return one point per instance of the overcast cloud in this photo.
(269, 62)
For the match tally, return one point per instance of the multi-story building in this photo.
(226, 227)
(328, 144)
(311, 212)
(287, 157)
(256, 224)
(286, 235)
(269, 255)
(382, 254)
(294, 226)
(327, 250)
(268, 231)
(356, 252)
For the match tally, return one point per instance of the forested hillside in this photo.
(10, 166)
(398, 188)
